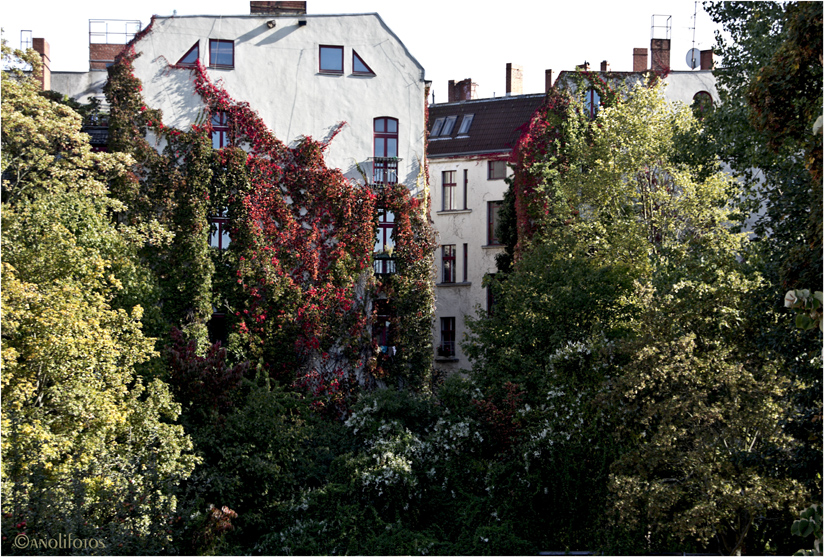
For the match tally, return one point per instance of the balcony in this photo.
(384, 172)
(384, 264)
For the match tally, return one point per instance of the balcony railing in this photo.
(384, 171)
(384, 264)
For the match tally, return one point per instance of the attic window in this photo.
(221, 53)
(359, 67)
(331, 59)
(448, 124)
(465, 123)
(189, 60)
(436, 127)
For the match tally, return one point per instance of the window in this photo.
(496, 170)
(449, 189)
(702, 104)
(592, 102)
(219, 231)
(218, 328)
(189, 60)
(386, 147)
(466, 262)
(331, 59)
(436, 127)
(384, 244)
(447, 347)
(360, 67)
(448, 259)
(490, 296)
(220, 130)
(448, 124)
(221, 53)
(465, 123)
(466, 188)
(492, 230)
(380, 327)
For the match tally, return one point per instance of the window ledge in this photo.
(453, 212)
(493, 246)
(451, 284)
(329, 72)
(446, 359)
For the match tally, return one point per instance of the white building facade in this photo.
(303, 74)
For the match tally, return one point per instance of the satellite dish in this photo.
(693, 58)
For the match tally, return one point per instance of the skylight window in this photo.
(436, 127)
(448, 124)
(465, 123)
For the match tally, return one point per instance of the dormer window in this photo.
(436, 127)
(448, 124)
(465, 123)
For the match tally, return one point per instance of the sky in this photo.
(452, 39)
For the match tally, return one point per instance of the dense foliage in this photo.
(638, 387)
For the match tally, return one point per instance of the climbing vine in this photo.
(296, 283)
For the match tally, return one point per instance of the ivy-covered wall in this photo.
(296, 283)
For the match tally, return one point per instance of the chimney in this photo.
(102, 55)
(257, 7)
(639, 59)
(464, 90)
(514, 79)
(584, 66)
(706, 60)
(42, 47)
(604, 66)
(547, 81)
(660, 49)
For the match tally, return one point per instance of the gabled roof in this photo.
(496, 126)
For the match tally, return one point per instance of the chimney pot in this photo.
(514, 79)
(660, 49)
(41, 46)
(707, 62)
(278, 7)
(604, 66)
(639, 59)
(547, 81)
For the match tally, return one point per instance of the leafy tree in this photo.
(770, 85)
(88, 447)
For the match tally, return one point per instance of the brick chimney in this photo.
(639, 59)
(42, 47)
(102, 55)
(464, 90)
(604, 66)
(660, 49)
(257, 7)
(514, 79)
(706, 60)
(547, 81)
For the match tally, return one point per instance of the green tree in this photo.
(88, 448)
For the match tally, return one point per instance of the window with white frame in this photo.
(465, 123)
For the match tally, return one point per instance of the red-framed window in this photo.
(220, 130)
(592, 102)
(448, 263)
(384, 243)
(331, 59)
(221, 53)
(496, 170)
(492, 223)
(450, 189)
(359, 67)
(219, 231)
(386, 137)
(380, 327)
(189, 60)
(447, 347)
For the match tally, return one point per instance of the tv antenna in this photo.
(694, 55)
